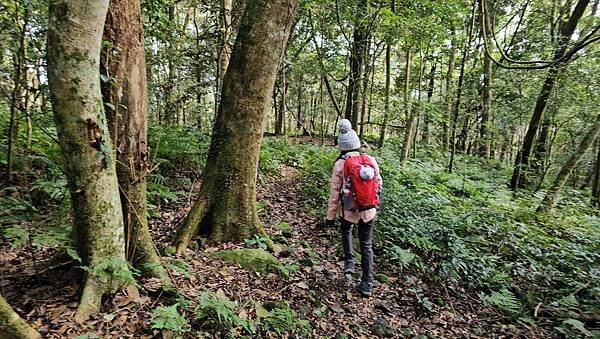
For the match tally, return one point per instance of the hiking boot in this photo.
(365, 288)
(348, 268)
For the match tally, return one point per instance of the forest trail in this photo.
(318, 291)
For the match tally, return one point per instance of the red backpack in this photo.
(361, 191)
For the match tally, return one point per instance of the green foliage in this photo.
(169, 318)
(258, 242)
(573, 328)
(505, 301)
(217, 312)
(177, 150)
(283, 320)
(114, 269)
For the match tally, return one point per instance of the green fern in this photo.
(505, 301)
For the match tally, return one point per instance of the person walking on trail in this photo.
(355, 187)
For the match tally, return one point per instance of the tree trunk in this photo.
(386, 109)
(519, 177)
(17, 100)
(449, 91)
(225, 53)
(281, 116)
(459, 88)
(357, 55)
(486, 109)
(596, 179)
(409, 116)
(127, 115)
(426, 119)
(551, 197)
(12, 326)
(74, 39)
(227, 202)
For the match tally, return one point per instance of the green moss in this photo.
(252, 259)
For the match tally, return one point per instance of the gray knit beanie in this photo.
(347, 140)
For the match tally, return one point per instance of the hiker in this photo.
(355, 186)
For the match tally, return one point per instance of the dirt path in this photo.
(318, 291)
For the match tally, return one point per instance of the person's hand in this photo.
(329, 223)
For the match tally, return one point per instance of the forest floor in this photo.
(318, 291)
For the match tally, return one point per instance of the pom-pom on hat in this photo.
(347, 140)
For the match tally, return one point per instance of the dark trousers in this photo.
(365, 236)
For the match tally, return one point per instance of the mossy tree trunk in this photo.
(74, 38)
(125, 95)
(227, 201)
(553, 193)
(12, 326)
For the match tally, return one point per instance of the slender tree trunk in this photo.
(519, 177)
(449, 91)
(553, 193)
(426, 119)
(225, 30)
(357, 55)
(127, 116)
(74, 39)
(409, 116)
(17, 99)
(12, 326)
(596, 178)
(486, 109)
(386, 109)
(227, 202)
(459, 88)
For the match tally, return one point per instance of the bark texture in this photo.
(12, 326)
(553, 193)
(74, 38)
(127, 113)
(519, 178)
(227, 202)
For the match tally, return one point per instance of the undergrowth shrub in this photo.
(177, 150)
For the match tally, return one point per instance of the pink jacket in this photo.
(337, 182)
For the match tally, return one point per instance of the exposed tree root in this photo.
(191, 224)
(90, 298)
(12, 326)
(146, 258)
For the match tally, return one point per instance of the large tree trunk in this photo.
(551, 197)
(227, 201)
(12, 326)
(449, 91)
(386, 109)
(127, 114)
(357, 56)
(486, 109)
(519, 178)
(74, 38)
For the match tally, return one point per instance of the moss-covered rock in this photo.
(252, 259)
